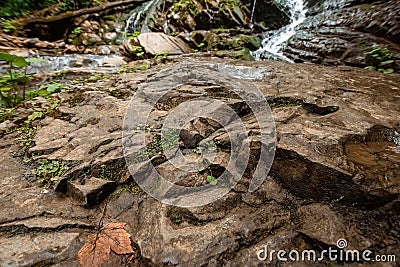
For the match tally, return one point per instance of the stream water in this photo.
(136, 16)
(272, 45)
(57, 63)
(274, 41)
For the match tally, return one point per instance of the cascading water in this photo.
(274, 41)
(252, 12)
(137, 21)
(132, 24)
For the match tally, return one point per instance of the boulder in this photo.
(346, 33)
(92, 192)
(151, 44)
(157, 43)
(90, 39)
(334, 174)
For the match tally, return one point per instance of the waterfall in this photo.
(252, 12)
(272, 45)
(132, 24)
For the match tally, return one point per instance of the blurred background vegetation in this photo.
(16, 8)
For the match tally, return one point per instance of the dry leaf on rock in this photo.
(97, 248)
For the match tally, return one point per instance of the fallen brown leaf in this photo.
(97, 248)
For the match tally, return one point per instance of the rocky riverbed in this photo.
(334, 174)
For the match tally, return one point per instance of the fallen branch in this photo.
(73, 14)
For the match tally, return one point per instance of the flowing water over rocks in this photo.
(138, 17)
(334, 175)
(47, 64)
(274, 42)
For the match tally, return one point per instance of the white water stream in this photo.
(275, 41)
(132, 24)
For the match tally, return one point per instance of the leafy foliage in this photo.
(163, 57)
(25, 138)
(6, 113)
(48, 172)
(137, 51)
(168, 139)
(134, 68)
(13, 82)
(380, 59)
(77, 30)
(212, 180)
(97, 249)
(207, 147)
(17, 8)
(132, 35)
(8, 26)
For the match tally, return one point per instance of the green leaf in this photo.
(23, 79)
(43, 93)
(373, 51)
(15, 60)
(5, 89)
(35, 115)
(55, 105)
(387, 62)
(370, 68)
(388, 71)
(211, 179)
(54, 87)
(36, 60)
(7, 57)
(201, 168)
(20, 62)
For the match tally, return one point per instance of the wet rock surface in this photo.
(334, 175)
(344, 32)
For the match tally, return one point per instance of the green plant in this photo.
(45, 90)
(97, 77)
(77, 31)
(207, 147)
(137, 51)
(8, 26)
(107, 173)
(25, 137)
(212, 180)
(143, 128)
(168, 139)
(162, 56)
(132, 35)
(6, 113)
(185, 6)
(16, 8)
(48, 172)
(125, 68)
(379, 59)
(130, 188)
(13, 82)
(174, 215)
(35, 115)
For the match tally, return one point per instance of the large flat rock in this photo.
(334, 174)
